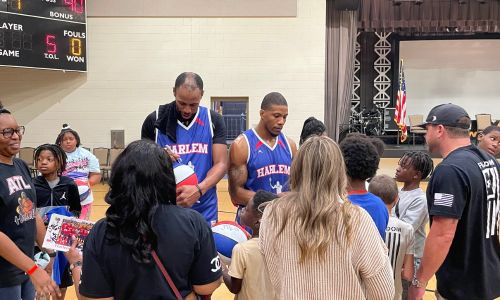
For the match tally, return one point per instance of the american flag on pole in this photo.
(400, 115)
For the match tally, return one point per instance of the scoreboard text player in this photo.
(45, 34)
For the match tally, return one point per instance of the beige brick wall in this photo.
(133, 63)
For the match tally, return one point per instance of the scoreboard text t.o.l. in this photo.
(45, 34)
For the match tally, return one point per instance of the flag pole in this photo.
(399, 84)
(401, 106)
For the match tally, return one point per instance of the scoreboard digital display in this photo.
(45, 34)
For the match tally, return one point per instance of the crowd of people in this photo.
(323, 224)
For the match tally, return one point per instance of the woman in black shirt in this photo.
(142, 217)
(19, 221)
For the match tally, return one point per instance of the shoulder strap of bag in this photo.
(165, 274)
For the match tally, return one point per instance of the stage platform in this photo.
(393, 149)
(396, 151)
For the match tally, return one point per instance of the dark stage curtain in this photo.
(431, 16)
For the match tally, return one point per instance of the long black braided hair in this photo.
(58, 153)
(420, 160)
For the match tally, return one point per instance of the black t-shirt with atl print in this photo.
(466, 186)
(185, 246)
(17, 216)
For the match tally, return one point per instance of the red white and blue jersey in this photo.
(268, 167)
(194, 145)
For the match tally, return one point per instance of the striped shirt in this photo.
(399, 239)
(359, 271)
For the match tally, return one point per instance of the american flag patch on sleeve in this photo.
(443, 199)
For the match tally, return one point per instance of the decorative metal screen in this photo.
(382, 66)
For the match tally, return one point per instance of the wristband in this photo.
(32, 270)
(199, 190)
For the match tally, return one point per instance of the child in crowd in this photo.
(411, 208)
(82, 166)
(247, 276)
(54, 190)
(312, 127)
(489, 140)
(412, 168)
(376, 142)
(361, 160)
(398, 236)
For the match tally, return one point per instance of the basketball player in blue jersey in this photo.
(196, 135)
(260, 158)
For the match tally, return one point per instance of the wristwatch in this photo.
(77, 263)
(418, 283)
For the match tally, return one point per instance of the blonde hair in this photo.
(318, 198)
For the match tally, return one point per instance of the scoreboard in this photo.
(44, 34)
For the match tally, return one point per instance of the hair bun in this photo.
(3, 110)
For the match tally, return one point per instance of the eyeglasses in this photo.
(8, 132)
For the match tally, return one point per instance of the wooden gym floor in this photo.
(227, 212)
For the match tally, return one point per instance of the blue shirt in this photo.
(375, 208)
(268, 167)
(194, 145)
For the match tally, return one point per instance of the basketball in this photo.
(226, 235)
(185, 175)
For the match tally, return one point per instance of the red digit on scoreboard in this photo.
(50, 42)
(75, 5)
(78, 6)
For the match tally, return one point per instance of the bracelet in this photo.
(199, 190)
(417, 283)
(77, 263)
(32, 270)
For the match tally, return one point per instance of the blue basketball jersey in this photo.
(194, 145)
(268, 167)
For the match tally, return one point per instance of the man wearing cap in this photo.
(463, 198)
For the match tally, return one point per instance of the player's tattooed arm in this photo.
(238, 173)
